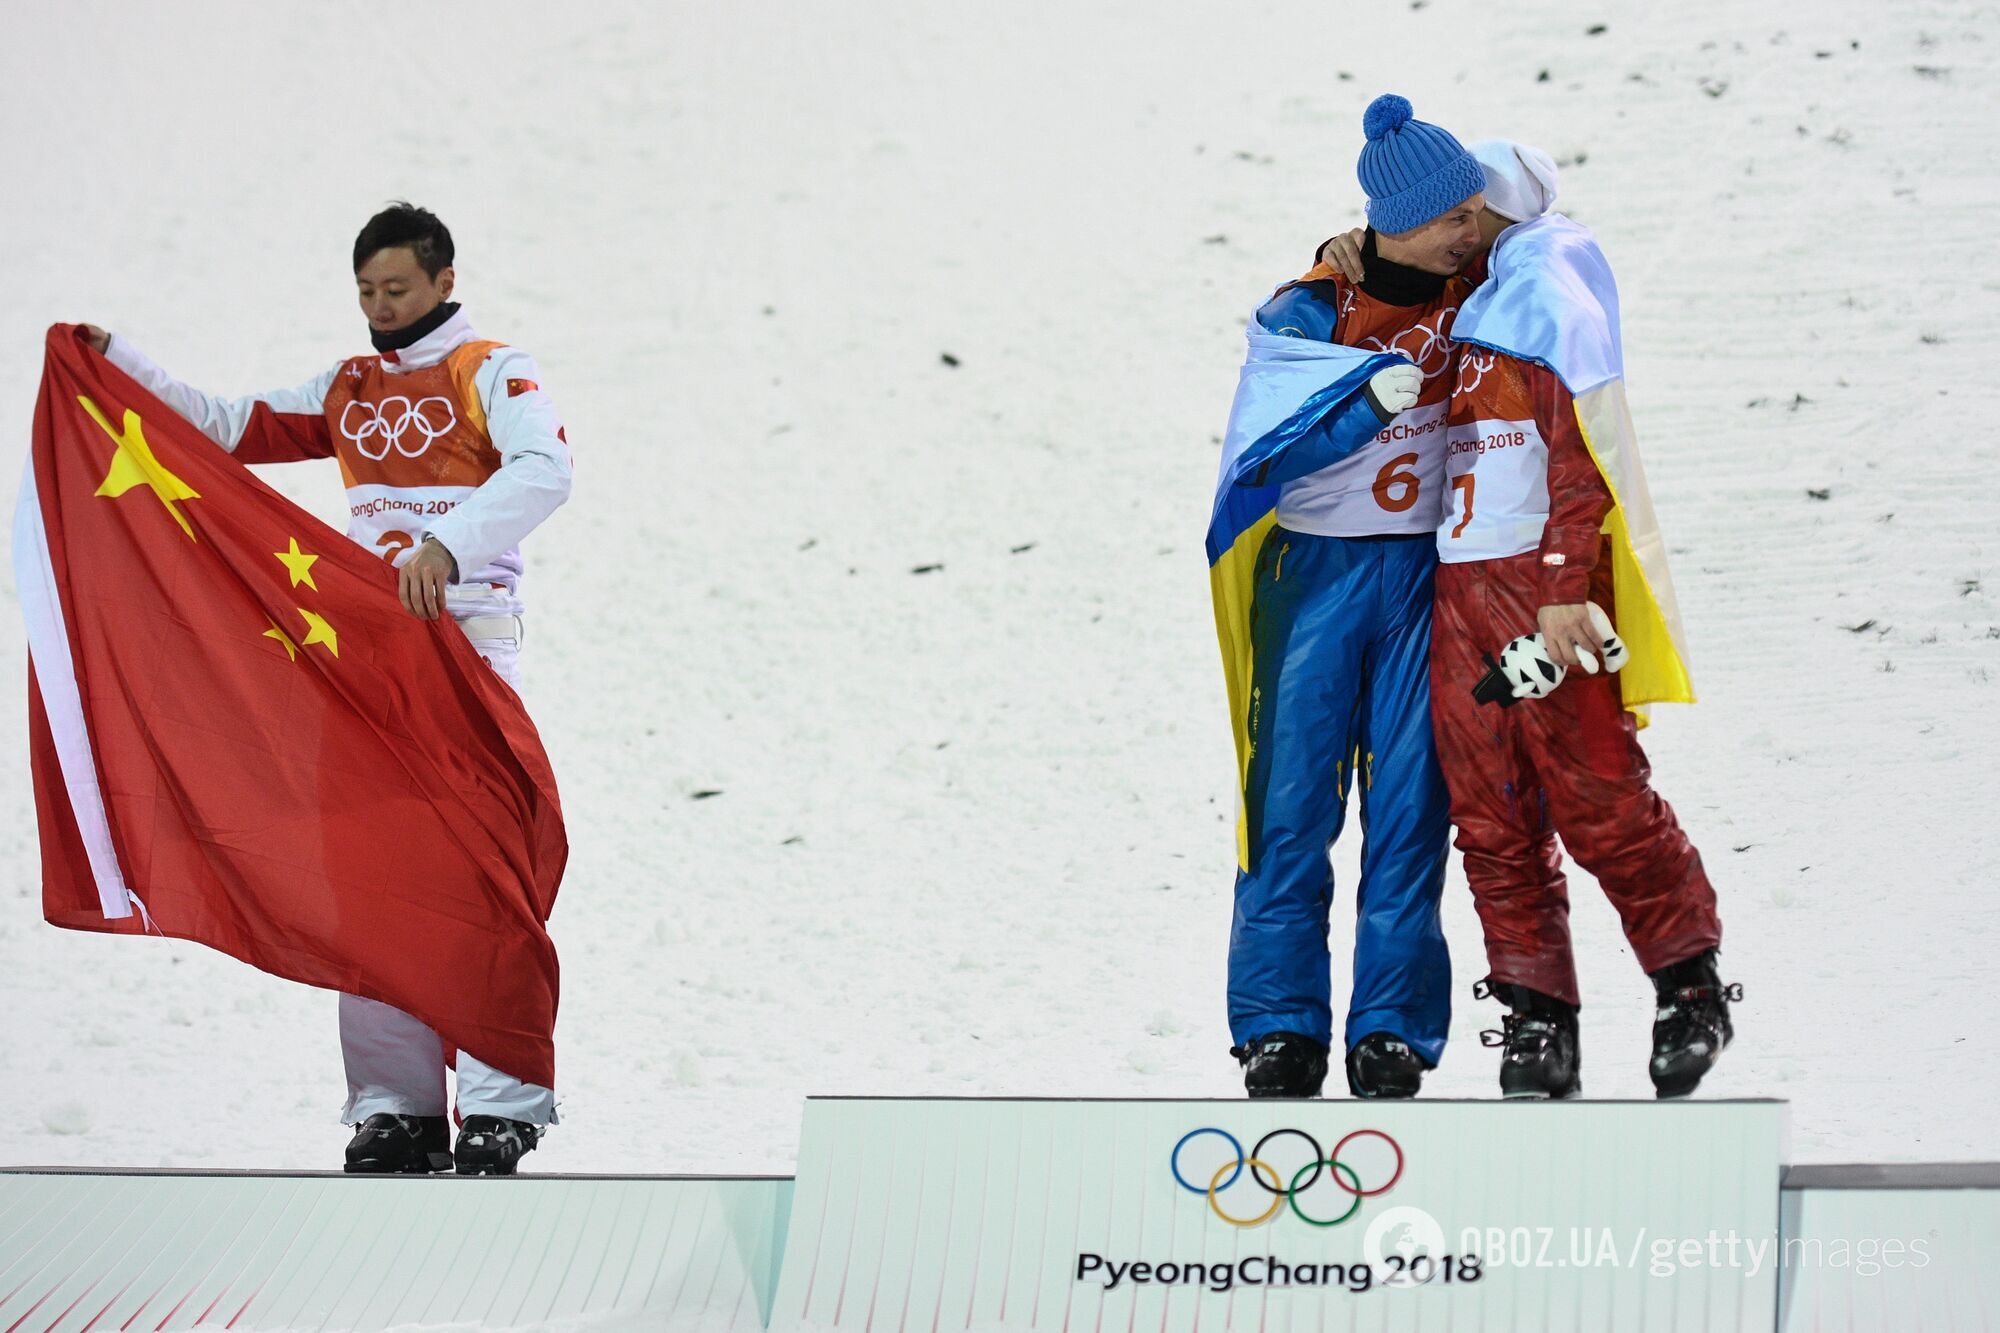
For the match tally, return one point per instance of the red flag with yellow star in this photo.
(240, 737)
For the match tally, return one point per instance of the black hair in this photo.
(415, 229)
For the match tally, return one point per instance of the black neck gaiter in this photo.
(1397, 284)
(395, 340)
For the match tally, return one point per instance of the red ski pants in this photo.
(1566, 766)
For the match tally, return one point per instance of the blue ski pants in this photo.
(1340, 680)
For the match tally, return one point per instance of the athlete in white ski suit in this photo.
(451, 439)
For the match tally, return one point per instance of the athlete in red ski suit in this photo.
(1567, 765)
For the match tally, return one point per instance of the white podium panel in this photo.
(1891, 1249)
(269, 1251)
(1319, 1215)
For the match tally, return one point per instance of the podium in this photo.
(268, 1250)
(940, 1214)
(1313, 1215)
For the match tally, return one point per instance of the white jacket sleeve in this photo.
(534, 476)
(223, 420)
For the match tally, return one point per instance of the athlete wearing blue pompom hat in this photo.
(1413, 171)
(1334, 639)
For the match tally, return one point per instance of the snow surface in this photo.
(973, 829)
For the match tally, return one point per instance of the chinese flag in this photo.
(237, 729)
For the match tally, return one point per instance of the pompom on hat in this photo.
(1412, 170)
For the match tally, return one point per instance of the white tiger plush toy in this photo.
(1524, 669)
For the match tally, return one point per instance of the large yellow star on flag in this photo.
(134, 465)
(298, 564)
(318, 631)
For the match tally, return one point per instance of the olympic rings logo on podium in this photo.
(1267, 1177)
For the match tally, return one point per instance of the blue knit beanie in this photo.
(1413, 171)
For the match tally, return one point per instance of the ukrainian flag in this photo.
(1551, 299)
(1287, 386)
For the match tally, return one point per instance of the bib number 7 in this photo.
(1463, 483)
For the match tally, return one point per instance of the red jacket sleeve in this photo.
(283, 437)
(1578, 497)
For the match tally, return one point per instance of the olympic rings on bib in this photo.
(1429, 346)
(393, 420)
(1474, 365)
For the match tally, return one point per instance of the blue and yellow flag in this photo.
(1287, 387)
(1551, 299)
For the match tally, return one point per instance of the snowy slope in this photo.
(973, 831)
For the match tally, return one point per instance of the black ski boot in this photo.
(1691, 1025)
(1282, 1064)
(1383, 1065)
(399, 1145)
(1542, 1059)
(489, 1145)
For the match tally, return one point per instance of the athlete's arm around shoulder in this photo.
(535, 472)
(299, 410)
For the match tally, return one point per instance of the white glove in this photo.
(1397, 387)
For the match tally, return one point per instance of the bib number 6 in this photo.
(1395, 485)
